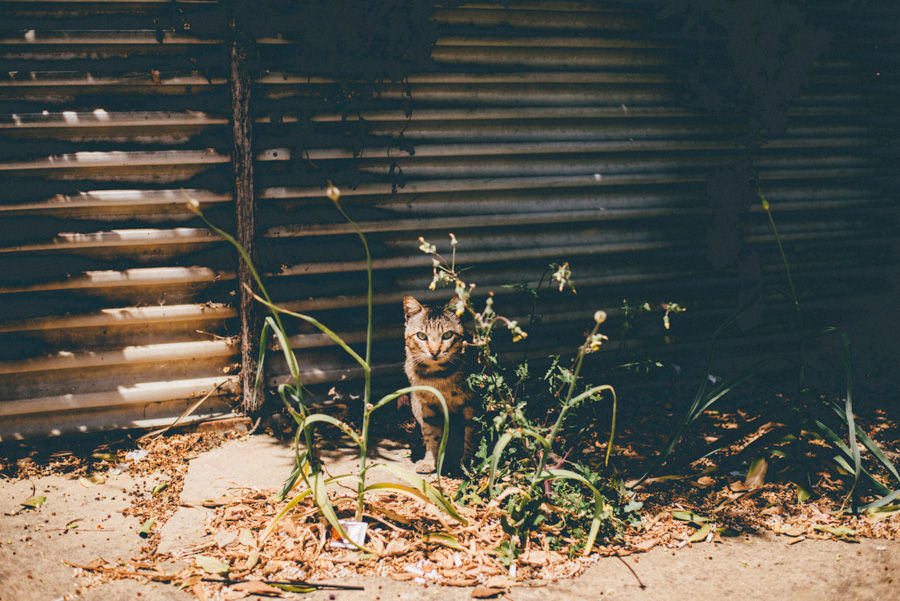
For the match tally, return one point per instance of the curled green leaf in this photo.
(689, 516)
(91, 481)
(211, 564)
(111, 457)
(839, 531)
(700, 534)
(443, 539)
(320, 496)
(877, 514)
(293, 588)
(144, 532)
(430, 492)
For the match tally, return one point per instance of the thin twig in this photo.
(636, 577)
(323, 586)
(190, 410)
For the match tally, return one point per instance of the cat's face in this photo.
(434, 334)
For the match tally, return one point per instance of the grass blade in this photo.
(293, 503)
(289, 483)
(286, 349)
(543, 441)
(599, 502)
(403, 489)
(320, 495)
(700, 405)
(848, 409)
(321, 417)
(495, 459)
(260, 363)
(283, 391)
(847, 416)
(885, 500)
(430, 492)
(319, 325)
(878, 486)
(829, 434)
(440, 397)
(868, 443)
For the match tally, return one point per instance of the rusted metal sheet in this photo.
(549, 131)
(559, 131)
(115, 303)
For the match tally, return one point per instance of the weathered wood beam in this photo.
(240, 47)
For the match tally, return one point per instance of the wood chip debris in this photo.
(406, 535)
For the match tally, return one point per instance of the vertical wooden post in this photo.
(240, 45)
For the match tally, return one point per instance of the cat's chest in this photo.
(454, 389)
(442, 379)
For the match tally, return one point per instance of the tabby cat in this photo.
(435, 356)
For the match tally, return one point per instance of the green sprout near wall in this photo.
(527, 493)
(804, 419)
(309, 467)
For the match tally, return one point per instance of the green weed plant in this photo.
(805, 419)
(537, 491)
(309, 467)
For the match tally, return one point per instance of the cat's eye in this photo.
(422, 336)
(447, 335)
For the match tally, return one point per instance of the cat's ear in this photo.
(411, 306)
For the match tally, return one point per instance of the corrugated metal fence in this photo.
(116, 307)
(546, 131)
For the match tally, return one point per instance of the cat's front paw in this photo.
(425, 466)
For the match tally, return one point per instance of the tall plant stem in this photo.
(801, 346)
(308, 435)
(363, 455)
(363, 449)
(566, 406)
(369, 296)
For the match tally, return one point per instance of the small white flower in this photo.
(428, 249)
(333, 192)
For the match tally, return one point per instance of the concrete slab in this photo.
(257, 462)
(261, 462)
(34, 542)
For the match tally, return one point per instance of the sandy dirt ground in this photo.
(78, 524)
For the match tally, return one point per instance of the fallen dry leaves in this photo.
(235, 563)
